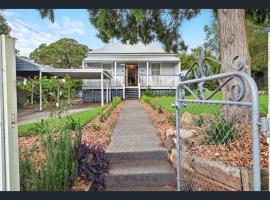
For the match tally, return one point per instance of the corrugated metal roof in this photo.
(137, 58)
(23, 64)
(128, 48)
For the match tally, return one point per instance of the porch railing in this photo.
(153, 81)
(159, 81)
(96, 83)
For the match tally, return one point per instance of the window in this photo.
(107, 66)
(155, 69)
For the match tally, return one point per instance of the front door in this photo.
(131, 74)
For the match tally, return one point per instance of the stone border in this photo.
(208, 175)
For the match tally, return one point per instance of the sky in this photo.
(74, 23)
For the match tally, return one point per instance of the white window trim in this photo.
(160, 63)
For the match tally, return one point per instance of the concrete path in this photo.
(25, 116)
(138, 161)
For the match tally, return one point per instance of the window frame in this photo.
(160, 66)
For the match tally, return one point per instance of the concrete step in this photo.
(157, 155)
(142, 188)
(140, 173)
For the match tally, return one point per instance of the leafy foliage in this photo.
(64, 53)
(72, 123)
(172, 119)
(29, 178)
(212, 38)
(4, 27)
(41, 127)
(96, 127)
(47, 13)
(198, 120)
(58, 170)
(221, 131)
(256, 19)
(145, 25)
(93, 165)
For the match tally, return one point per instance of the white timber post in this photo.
(110, 92)
(124, 96)
(102, 89)
(107, 90)
(147, 73)
(40, 91)
(9, 151)
(115, 68)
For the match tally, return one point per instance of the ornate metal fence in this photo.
(217, 127)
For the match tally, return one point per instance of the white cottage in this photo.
(134, 68)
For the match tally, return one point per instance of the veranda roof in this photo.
(79, 73)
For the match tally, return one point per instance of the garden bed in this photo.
(89, 136)
(237, 154)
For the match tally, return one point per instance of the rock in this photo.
(169, 143)
(173, 157)
(174, 140)
(187, 133)
(170, 132)
(187, 118)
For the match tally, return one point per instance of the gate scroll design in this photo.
(239, 85)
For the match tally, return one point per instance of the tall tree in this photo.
(64, 53)
(257, 42)
(4, 27)
(233, 42)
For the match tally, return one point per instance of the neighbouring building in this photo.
(134, 68)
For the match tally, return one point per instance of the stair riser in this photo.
(146, 180)
(131, 156)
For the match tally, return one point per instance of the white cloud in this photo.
(69, 27)
(28, 40)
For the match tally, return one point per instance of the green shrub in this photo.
(96, 127)
(198, 120)
(59, 167)
(41, 127)
(159, 109)
(29, 179)
(146, 99)
(109, 109)
(59, 170)
(221, 131)
(172, 119)
(103, 118)
(72, 123)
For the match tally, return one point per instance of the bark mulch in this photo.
(103, 136)
(159, 120)
(89, 136)
(237, 154)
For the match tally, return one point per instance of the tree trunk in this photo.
(233, 42)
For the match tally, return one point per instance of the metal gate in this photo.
(217, 129)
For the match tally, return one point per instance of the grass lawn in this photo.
(83, 116)
(166, 104)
